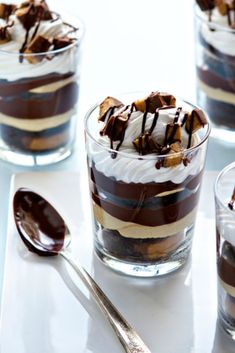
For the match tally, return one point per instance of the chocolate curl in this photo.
(108, 106)
(144, 144)
(232, 201)
(6, 10)
(206, 5)
(155, 100)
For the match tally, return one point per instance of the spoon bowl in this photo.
(45, 233)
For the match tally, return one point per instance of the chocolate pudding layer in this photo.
(39, 82)
(216, 62)
(143, 222)
(37, 116)
(145, 178)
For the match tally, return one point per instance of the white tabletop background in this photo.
(129, 45)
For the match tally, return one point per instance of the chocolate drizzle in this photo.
(30, 13)
(116, 117)
(225, 8)
(232, 201)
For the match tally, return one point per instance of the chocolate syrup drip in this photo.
(155, 119)
(228, 15)
(177, 114)
(124, 130)
(190, 131)
(22, 49)
(144, 117)
(169, 140)
(232, 201)
(184, 119)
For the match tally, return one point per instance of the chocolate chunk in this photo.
(144, 144)
(59, 43)
(107, 105)
(4, 35)
(195, 121)
(155, 100)
(173, 133)
(43, 11)
(27, 14)
(174, 156)
(115, 127)
(39, 44)
(206, 5)
(232, 201)
(6, 10)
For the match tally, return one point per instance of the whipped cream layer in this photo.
(221, 38)
(66, 61)
(133, 168)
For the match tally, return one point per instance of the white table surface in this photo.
(129, 45)
(48, 309)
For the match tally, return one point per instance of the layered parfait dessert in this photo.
(226, 263)
(145, 171)
(39, 80)
(216, 61)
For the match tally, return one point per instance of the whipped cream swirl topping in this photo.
(220, 15)
(152, 136)
(31, 28)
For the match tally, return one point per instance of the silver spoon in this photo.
(45, 233)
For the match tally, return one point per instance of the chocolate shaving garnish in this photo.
(206, 5)
(144, 144)
(232, 201)
(155, 100)
(59, 43)
(39, 44)
(115, 128)
(107, 105)
(6, 10)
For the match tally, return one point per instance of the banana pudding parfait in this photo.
(145, 161)
(40, 53)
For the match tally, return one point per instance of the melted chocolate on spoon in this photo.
(40, 226)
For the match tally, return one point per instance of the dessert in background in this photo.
(225, 230)
(145, 160)
(215, 30)
(39, 81)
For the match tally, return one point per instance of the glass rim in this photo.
(224, 171)
(199, 15)
(146, 157)
(77, 41)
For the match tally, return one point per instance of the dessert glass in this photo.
(143, 216)
(225, 232)
(38, 99)
(215, 71)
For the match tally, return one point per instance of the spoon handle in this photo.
(129, 338)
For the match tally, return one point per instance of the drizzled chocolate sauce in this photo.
(144, 143)
(39, 225)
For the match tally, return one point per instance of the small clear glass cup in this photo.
(38, 102)
(143, 228)
(225, 240)
(215, 72)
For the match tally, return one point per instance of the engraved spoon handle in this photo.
(129, 338)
